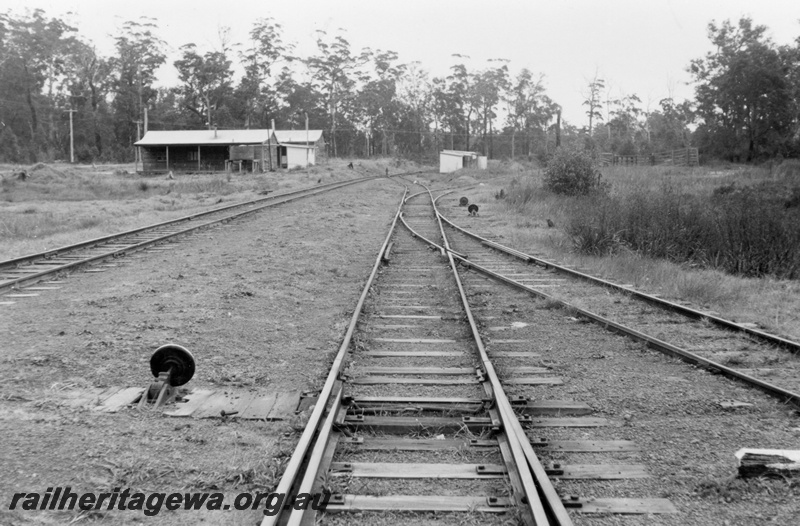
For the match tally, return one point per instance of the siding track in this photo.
(765, 361)
(18, 274)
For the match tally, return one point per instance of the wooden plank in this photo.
(396, 354)
(393, 470)
(414, 444)
(534, 380)
(417, 370)
(585, 421)
(513, 354)
(493, 341)
(408, 316)
(412, 340)
(259, 408)
(391, 327)
(409, 424)
(194, 400)
(587, 446)
(120, 399)
(285, 405)
(377, 380)
(597, 471)
(622, 506)
(416, 307)
(219, 402)
(524, 369)
(21, 295)
(419, 503)
(41, 288)
(367, 401)
(555, 407)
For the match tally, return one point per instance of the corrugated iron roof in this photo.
(224, 137)
(287, 136)
(459, 153)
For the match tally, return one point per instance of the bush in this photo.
(572, 172)
(740, 231)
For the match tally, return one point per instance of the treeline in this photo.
(368, 101)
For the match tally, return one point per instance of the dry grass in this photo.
(520, 219)
(61, 204)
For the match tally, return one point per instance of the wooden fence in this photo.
(682, 157)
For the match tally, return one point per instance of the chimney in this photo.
(215, 132)
(273, 125)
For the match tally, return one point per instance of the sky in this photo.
(640, 47)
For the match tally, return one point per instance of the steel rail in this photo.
(103, 239)
(543, 493)
(428, 241)
(649, 298)
(100, 242)
(290, 474)
(660, 345)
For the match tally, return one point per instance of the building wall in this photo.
(297, 157)
(450, 163)
(184, 158)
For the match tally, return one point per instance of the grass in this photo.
(61, 204)
(520, 221)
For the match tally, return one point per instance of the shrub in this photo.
(745, 232)
(572, 172)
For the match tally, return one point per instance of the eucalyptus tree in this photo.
(529, 110)
(488, 86)
(593, 100)
(206, 83)
(743, 92)
(139, 53)
(35, 49)
(256, 96)
(333, 70)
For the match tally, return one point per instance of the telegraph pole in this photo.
(138, 138)
(71, 139)
(307, 143)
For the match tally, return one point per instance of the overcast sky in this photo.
(638, 46)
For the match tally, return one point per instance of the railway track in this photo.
(413, 424)
(17, 275)
(755, 357)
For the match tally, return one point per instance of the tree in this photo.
(488, 86)
(35, 49)
(254, 95)
(139, 55)
(333, 69)
(743, 93)
(377, 99)
(529, 109)
(207, 81)
(593, 100)
(88, 81)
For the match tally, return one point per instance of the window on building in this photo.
(193, 155)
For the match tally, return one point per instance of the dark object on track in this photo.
(350, 166)
(550, 223)
(463, 201)
(175, 360)
(473, 210)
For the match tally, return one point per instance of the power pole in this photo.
(136, 152)
(307, 143)
(71, 139)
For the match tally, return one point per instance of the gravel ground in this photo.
(258, 317)
(668, 408)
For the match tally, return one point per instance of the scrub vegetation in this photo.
(724, 238)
